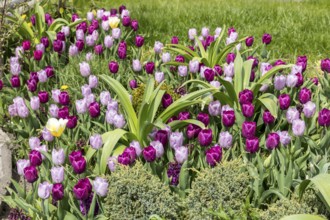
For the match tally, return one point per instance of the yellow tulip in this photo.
(94, 12)
(114, 22)
(23, 16)
(61, 10)
(64, 87)
(56, 127)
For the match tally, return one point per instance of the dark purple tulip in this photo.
(30, 174)
(33, 20)
(1, 84)
(113, 67)
(80, 45)
(230, 58)
(324, 117)
(74, 17)
(213, 155)
(58, 191)
(173, 118)
(167, 100)
(245, 96)
(121, 8)
(149, 154)
(91, 29)
(266, 38)
(43, 96)
(34, 76)
(74, 154)
(139, 40)
(113, 11)
(249, 41)
(32, 85)
(190, 132)
(184, 116)
(63, 112)
(94, 109)
(15, 82)
(126, 21)
(134, 25)
(315, 80)
(249, 129)
(58, 46)
(285, 101)
(79, 165)
(95, 23)
(272, 141)
(162, 136)
(122, 50)
(218, 70)
(230, 30)
(228, 118)
(209, 75)
(325, 65)
(60, 36)
(205, 137)
(179, 59)
(64, 98)
(174, 40)
(98, 49)
(305, 95)
(131, 153)
(302, 61)
(252, 145)
(35, 158)
(255, 61)
(248, 110)
(124, 159)
(133, 84)
(49, 71)
(203, 117)
(279, 62)
(300, 79)
(26, 45)
(268, 117)
(149, 67)
(82, 26)
(47, 17)
(37, 55)
(72, 122)
(45, 41)
(209, 40)
(82, 189)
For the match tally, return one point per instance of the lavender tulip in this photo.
(58, 156)
(181, 154)
(298, 127)
(57, 174)
(44, 190)
(93, 81)
(285, 138)
(46, 135)
(21, 165)
(194, 66)
(35, 103)
(84, 69)
(176, 139)
(309, 109)
(96, 141)
(279, 82)
(101, 186)
(292, 114)
(158, 147)
(214, 108)
(112, 161)
(158, 47)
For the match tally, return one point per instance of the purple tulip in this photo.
(213, 155)
(82, 189)
(230, 58)
(58, 191)
(64, 98)
(79, 164)
(325, 65)
(58, 46)
(26, 44)
(72, 122)
(292, 114)
(121, 8)
(49, 71)
(43, 96)
(133, 84)
(285, 101)
(45, 41)
(179, 59)
(209, 75)
(267, 117)
(139, 40)
(134, 25)
(33, 20)
(149, 153)
(203, 117)
(167, 100)
(98, 49)
(249, 129)
(63, 112)
(149, 67)
(60, 36)
(255, 61)
(245, 96)
(300, 79)
(15, 82)
(1, 84)
(124, 159)
(184, 116)
(302, 61)
(248, 110)
(113, 67)
(272, 141)
(162, 136)
(228, 118)
(324, 117)
(94, 109)
(35, 158)
(122, 51)
(266, 38)
(175, 40)
(30, 174)
(218, 70)
(131, 153)
(249, 41)
(305, 95)
(315, 80)
(126, 21)
(80, 45)
(252, 145)
(205, 137)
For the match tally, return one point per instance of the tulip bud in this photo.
(158, 47)
(249, 41)
(101, 186)
(149, 154)
(167, 100)
(298, 127)
(15, 82)
(181, 154)
(58, 191)
(44, 190)
(213, 155)
(267, 117)
(139, 41)
(21, 164)
(112, 161)
(57, 174)
(159, 77)
(30, 174)
(134, 25)
(249, 129)
(266, 38)
(272, 141)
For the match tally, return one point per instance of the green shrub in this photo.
(225, 186)
(312, 200)
(134, 193)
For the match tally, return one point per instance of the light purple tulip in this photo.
(90, 16)
(73, 50)
(105, 97)
(84, 69)
(90, 41)
(229, 70)
(158, 147)
(119, 121)
(35, 103)
(214, 108)
(158, 47)
(86, 90)
(101, 186)
(46, 135)
(21, 164)
(112, 162)
(309, 109)
(137, 67)
(34, 142)
(159, 77)
(80, 35)
(181, 154)
(166, 57)
(192, 33)
(182, 71)
(298, 127)
(40, 47)
(66, 30)
(96, 141)
(285, 138)
(292, 114)
(108, 41)
(15, 69)
(55, 95)
(44, 190)
(137, 147)
(225, 139)
(113, 104)
(205, 31)
(89, 99)
(176, 140)
(89, 56)
(193, 66)
(279, 82)
(105, 25)
(57, 174)
(81, 106)
(42, 76)
(215, 84)
(58, 156)
(93, 81)
(291, 80)
(116, 33)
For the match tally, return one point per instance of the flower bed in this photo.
(212, 126)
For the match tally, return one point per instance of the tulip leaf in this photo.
(230, 89)
(270, 102)
(239, 74)
(303, 217)
(184, 176)
(177, 124)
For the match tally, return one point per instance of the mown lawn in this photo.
(298, 27)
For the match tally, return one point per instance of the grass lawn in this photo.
(298, 27)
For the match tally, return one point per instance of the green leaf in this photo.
(230, 90)
(184, 176)
(177, 124)
(239, 74)
(270, 102)
(40, 19)
(303, 217)
(57, 24)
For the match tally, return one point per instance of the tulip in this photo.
(124, 159)
(58, 46)
(279, 82)
(305, 95)
(252, 144)
(12, 110)
(82, 189)
(64, 98)
(272, 141)
(302, 61)
(44, 190)
(45, 41)
(94, 109)
(209, 74)
(205, 137)
(285, 101)
(101, 186)
(266, 38)
(15, 68)
(292, 114)
(291, 80)
(149, 67)
(249, 41)
(176, 140)
(159, 77)
(26, 44)
(214, 108)
(78, 164)
(131, 153)
(182, 71)
(30, 174)
(133, 84)
(149, 154)
(93, 81)
(298, 127)
(37, 54)
(325, 65)
(15, 82)
(57, 191)
(267, 117)
(56, 127)
(96, 141)
(158, 47)
(21, 164)
(249, 129)
(184, 116)
(35, 103)
(166, 57)
(73, 50)
(72, 122)
(35, 158)
(46, 135)
(19, 51)
(205, 32)
(181, 154)
(162, 136)
(112, 161)
(228, 118)
(58, 156)
(1, 84)
(192, 33)
(42, 76)
(246, 96)
(57, 174)
(229, 70)
(114, 22)
(122, 50)
(119, 121)
(248, 110)
(230, 58)
(158, 146)
(300, 79)
(194, 66)
(123, 12)
(175, 40)
(285, 138)
(40, 47)
(49, 71)
(203, 117)
(315, 80)
(213, 155)
(84, 69)
(139, 41)
(137, 147)
(74, 17)
(309, 109)
(63, 112)
(167, 100)
(134, 25)
(324, 117)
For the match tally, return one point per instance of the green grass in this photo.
(298, 27)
